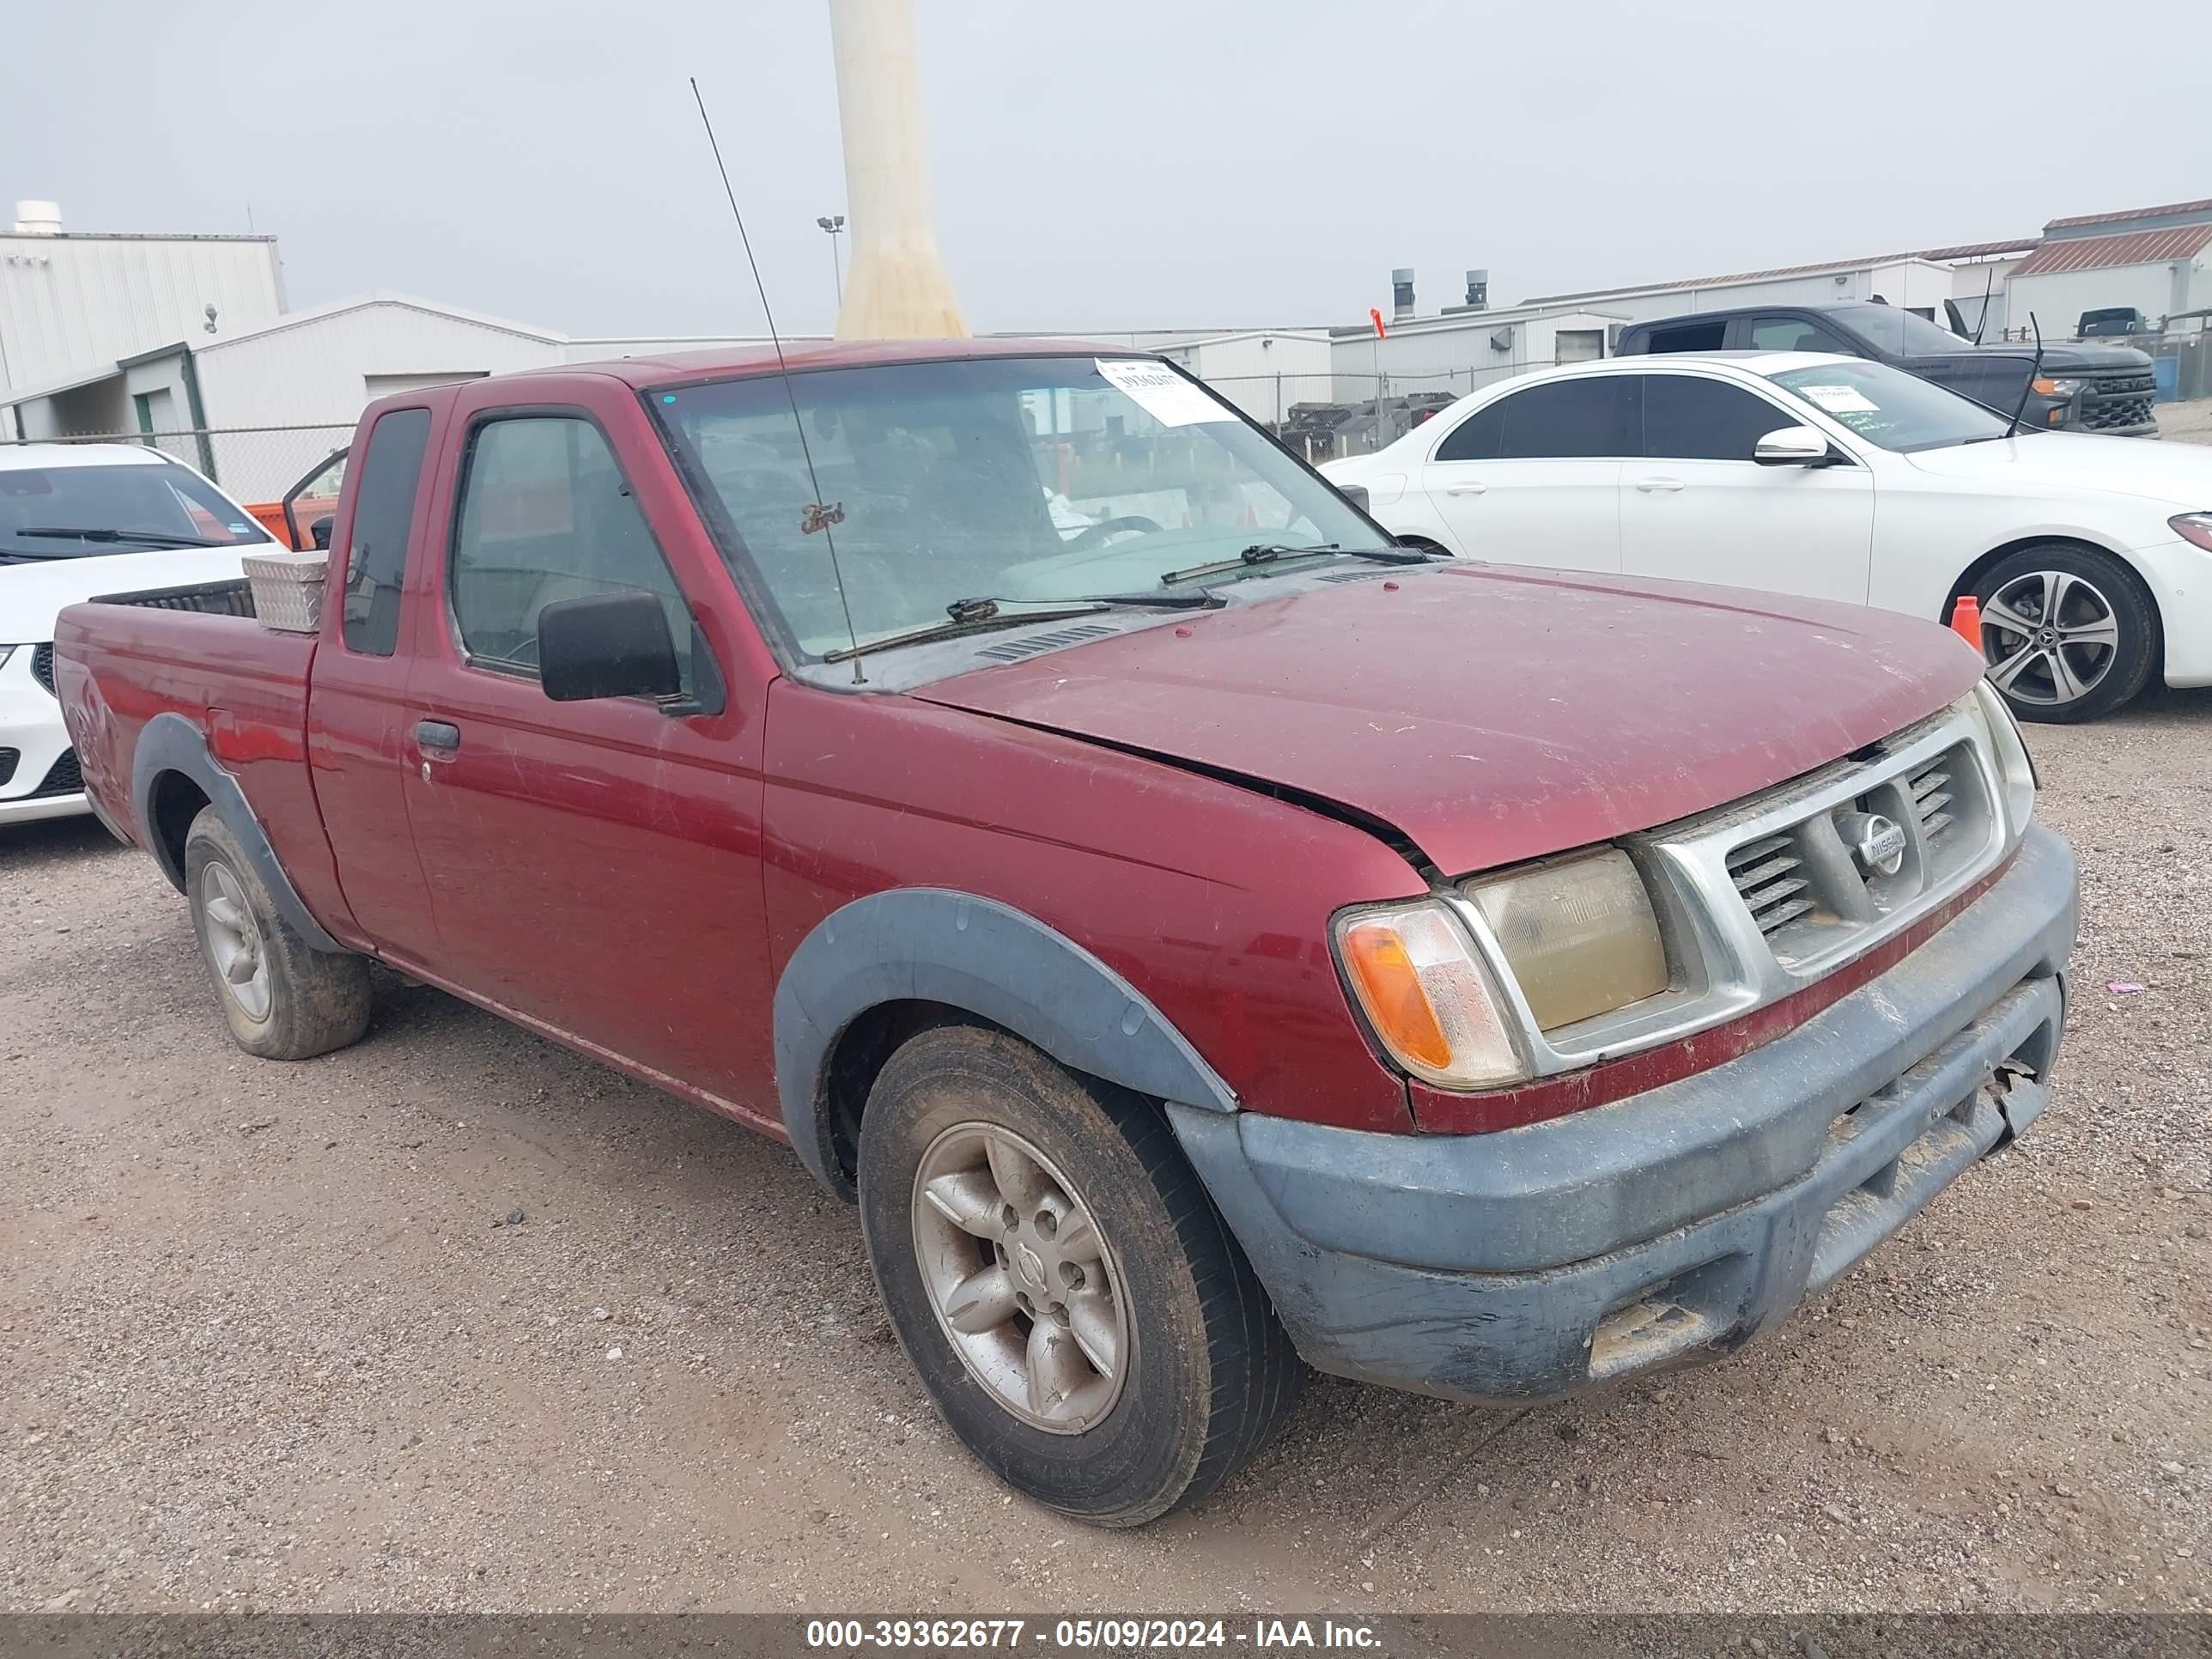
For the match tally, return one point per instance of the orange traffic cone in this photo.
(1967, 620)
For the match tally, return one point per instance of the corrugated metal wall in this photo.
(316, 371)
(67, 303)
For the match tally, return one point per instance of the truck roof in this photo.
(724, 362)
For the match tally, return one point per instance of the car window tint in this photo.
(1565, 420)
(546, 514)
(1794, 334)
(1687, 418)
(1476, 438)
(1688, 336)
(376, 547)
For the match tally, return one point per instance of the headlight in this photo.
(1986, 707)
(2057, 388)
(2193, 527)
(6, 652)
(1426, 995)
(1579, 935)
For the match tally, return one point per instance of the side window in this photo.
(383, 508)
(1689, 336)
(1476, 438)
(546, 514)
(1689, 418)
(1794, 334)
(1566, 420)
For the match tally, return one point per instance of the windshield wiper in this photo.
(1269, 552)
(980, 615)
(968, 617)
(137, 538)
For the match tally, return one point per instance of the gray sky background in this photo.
(1142, 163)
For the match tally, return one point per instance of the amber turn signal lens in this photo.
(1416, 976)
(1404, 1017)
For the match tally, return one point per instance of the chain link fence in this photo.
(1324, 417)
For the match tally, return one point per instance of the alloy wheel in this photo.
(2051, 637)
(1024, 1283)
(233, 941)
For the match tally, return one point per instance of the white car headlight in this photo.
(2195, 528)
(1985, 707)
(6, 652)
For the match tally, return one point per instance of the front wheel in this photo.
(2070, 633)
(1061, 1281)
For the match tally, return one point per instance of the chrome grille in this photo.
(1765, 872)
(1931, 797)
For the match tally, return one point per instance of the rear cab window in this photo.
(376, 545)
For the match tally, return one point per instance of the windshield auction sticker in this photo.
(1839, 399)
(1163, 394)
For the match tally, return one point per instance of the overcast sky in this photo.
(1132, 164)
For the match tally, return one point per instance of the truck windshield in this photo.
(1889, 407)
(1023, 479)
(1893, 329)
(100, 510)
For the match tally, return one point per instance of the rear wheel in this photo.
(2070, 633)
(284, 998)
(1061, 1282)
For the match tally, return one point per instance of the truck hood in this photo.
(33, 593)
(2071, 359)
(2180, 474)
(1492, 715)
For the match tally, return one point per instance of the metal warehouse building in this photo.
(2158, 259)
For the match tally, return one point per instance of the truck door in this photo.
(359, 738)
(594, 866)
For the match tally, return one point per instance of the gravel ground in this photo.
(2190, 422)
(263, 1344)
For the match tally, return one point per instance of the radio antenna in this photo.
(819, 514)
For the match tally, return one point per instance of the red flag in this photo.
(1376, 318)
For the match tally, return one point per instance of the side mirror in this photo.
(607, 645)
(1792, 445)
(320, 532)
(1356, 494)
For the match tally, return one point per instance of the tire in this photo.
(284, 998)
(1202, 1372)
(2105, 643)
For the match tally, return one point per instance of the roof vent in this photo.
(38, 218)
(1401, 294)
(1478, 290)
(1015, 650)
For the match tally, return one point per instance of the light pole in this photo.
(833, 222)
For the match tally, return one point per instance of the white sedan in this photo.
(78, 520)
(1831, 477)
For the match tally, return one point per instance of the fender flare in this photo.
(988, 959)
(170, 743)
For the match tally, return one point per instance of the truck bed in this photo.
(123, 659)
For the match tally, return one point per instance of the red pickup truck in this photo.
(1203, 938)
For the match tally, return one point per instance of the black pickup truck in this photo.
(2077, 388)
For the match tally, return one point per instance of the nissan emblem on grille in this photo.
(1879, 843)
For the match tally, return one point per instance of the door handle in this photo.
(1666, 486)
(442, 737)
(1465, 488)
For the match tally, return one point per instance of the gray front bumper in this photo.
(1676, 1225)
